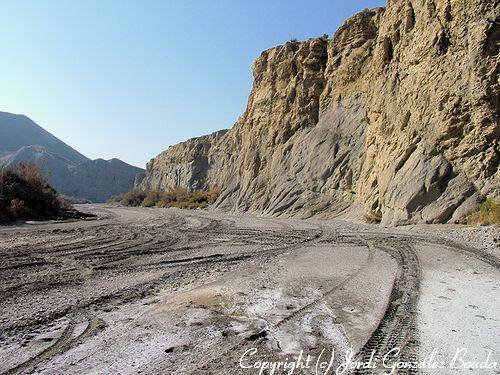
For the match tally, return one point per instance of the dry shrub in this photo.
(30, 173)
(488, 214)
(152, 197)
(373, 217)
(25, 195)
(132, 198)
(178, 197)
(163, 203)
(213, 194)
(18, 208)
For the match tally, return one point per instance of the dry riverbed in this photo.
(168, 291)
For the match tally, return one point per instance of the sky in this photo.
(127, 79)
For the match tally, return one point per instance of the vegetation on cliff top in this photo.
(25, 195)
(180, 198)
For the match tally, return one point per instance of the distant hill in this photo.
(98, 180)
(17, 131)
(68, 171)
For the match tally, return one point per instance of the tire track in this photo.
(301, 312)
(258, 338)
(63, 344)
(170, 247)
(397, 328)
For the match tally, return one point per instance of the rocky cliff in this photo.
(395, 118)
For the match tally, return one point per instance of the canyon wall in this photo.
(395, 118)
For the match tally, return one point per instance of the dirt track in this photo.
(169, 291)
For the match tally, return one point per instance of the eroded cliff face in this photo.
(394, 118)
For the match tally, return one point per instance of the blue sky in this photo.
(127, 79)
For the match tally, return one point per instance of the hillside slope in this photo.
(68, 171)
(395, 118)
(17, 131)
(98, 180)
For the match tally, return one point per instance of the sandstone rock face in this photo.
(394, 118)
(185, 164)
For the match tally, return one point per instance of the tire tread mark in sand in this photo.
(482, 255)
(300, 312)
(397, 329)
(261, 336)
(434, 240)
(219, 257)
(33, 263)
(137, 291)
(224, 350)
(63, 344)
(214, 258)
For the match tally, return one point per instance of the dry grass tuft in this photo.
(488, 214)
(374, 217)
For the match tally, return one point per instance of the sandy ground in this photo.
(165, 291)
